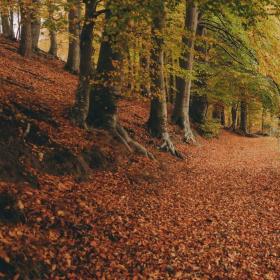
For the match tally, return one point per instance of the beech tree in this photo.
(25, 47)
(80, 109)
(180, 114)
(157, 123)
(74, 18)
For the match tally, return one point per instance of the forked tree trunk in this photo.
(25, 45)
(243, 116)
(180, 114)
(157, 123)
(73, 59)
(81, 107)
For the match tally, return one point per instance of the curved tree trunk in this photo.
(180, 114)
(25, 45)
(157, 123)
(73, 59)
(81, 106)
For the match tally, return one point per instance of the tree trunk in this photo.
(180, 114)
(223, 116)
(145, 86)
(7, 27)
(199, 102)
(81, 108)
(35, 24)
(157, 123)
(198, 108)
(12, 32)
(234, 109)
(73, 59)
(25, 45)
(103, 111)
(243, 116)
(53, 45)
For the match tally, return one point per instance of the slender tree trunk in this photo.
(7, 23)
(223, 117)
(243, 116)
(81, 108)
(180, 114)
(172, 82)
(145, 86)
(73, 59)
(35, 24)
(199, 102)
(12, 32)
(234, 109)
(157, 123)
(53, 45)
(25, 46)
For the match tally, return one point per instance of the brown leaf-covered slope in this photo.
(214, 215)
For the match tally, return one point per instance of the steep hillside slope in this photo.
(214, 215)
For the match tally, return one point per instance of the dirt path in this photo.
(228, 209)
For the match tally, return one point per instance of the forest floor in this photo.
(214, 215)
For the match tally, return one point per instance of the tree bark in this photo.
(7, 23)
(157, 123)
(25, 45)
(73, 59)
(145, 86)
(53, 46)
(234, 109)
(199, 102)
(12, 32)
(243, 116)
(81, 107)
(180, 114)
(103, 111)
(223, 116)
(35, 24)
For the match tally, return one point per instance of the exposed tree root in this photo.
(169, 147)
(188, 136)
(121, 134)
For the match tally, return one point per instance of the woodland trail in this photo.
(214, 215)
(223, 206)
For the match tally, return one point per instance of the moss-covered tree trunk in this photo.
(180, 114)
(74, 17)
